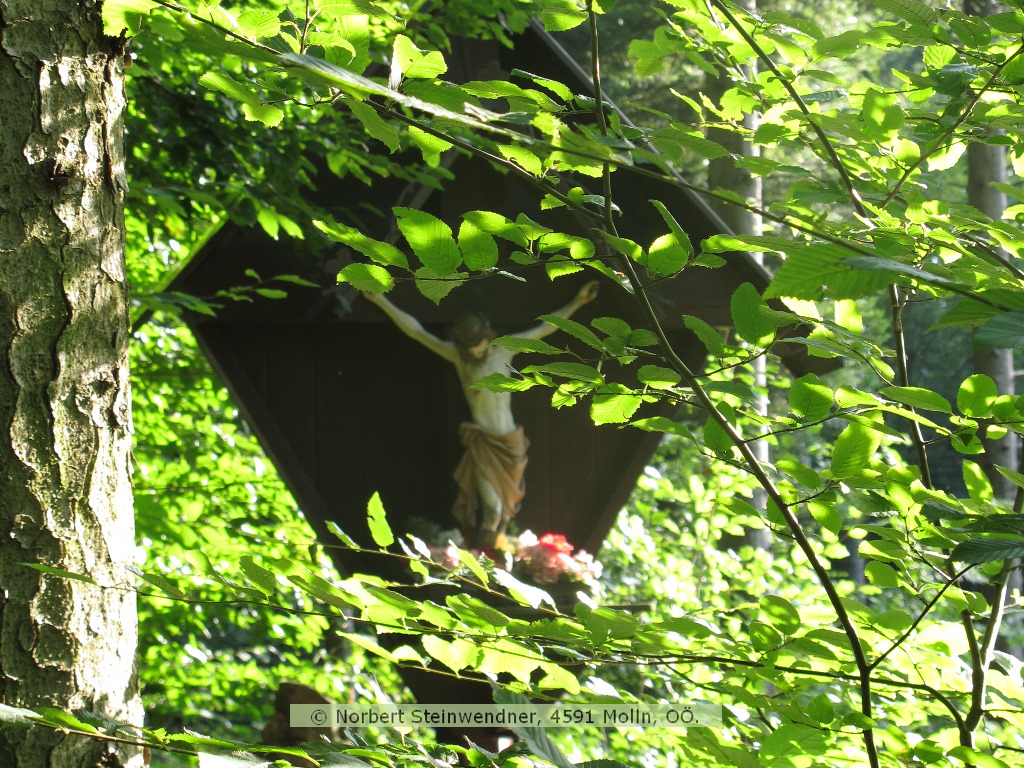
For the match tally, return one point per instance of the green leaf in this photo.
(125, 16)
(62, 719)
(709, 337)
(518, 344)
(750, 244)
(673, 140)
(434, 286)
(497, 382)
(375, 125)
(218, 81)
(347, 540)
(499, 226)
(781, 614)
(853, 450)
(826, 515)
(574, 371)
(560, 15)
(656, 377)
(165, 585)
(989, 549)
(764, 637)
(267, 218)
(377, 251)
(264, 580)
(810, 398)
(976, 758)
(978, 485)
(665, 425)
(607, 624)
(882, 116)
(537, 739)
(913, 11)
(800, 472)
(524, 158)
(821, 269)
(717, 439)
(367, 277)
(377, 521)
(681, 236)
(524, 594)
(748, 316)
(456, 655)
(259, 25)
(478, 247)
(17, 715)
(268, 114)
(468, 560)
(559, 89)
(613, 326)
(614, 404)
(473, 609)
(881, 575)
(296, 280)
(430, 146)
(1014, 477)
(272, 293)
(319, 72)
(409, 61)
(792, 745)
(51, 571)
(574, 329)
(431, 240)
(916, 397)
(976, 396)
(893, 267)
(1004, 331)
(622, 245)
(666, 256)
(839, 46)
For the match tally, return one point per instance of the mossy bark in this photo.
(65, 418)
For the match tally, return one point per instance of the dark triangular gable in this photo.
(346, 406)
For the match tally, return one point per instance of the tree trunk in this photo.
(986, 165)
(65, 420)
(724, 174)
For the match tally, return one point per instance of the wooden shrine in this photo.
(345, 405)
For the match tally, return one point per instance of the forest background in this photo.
(818, 656)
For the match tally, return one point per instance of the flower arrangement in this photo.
(548, 559)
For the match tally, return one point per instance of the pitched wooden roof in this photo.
(346, 405)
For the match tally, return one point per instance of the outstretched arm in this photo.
(412, 327)
(586, 295)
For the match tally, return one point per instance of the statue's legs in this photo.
(490, 520)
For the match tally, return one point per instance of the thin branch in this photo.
(920, 617)
(952, 127)
(896, 304)
(819, 132)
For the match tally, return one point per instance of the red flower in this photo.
(556, 543)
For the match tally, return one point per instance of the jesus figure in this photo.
(490, 475)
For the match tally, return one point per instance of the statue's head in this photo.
(471, 333)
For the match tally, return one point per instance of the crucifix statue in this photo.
(490, 474)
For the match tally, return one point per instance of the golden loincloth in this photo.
(501, 460)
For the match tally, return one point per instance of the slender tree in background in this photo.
(986, 169)
(65, 420)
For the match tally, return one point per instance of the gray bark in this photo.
(986, 165)
(65, 422)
